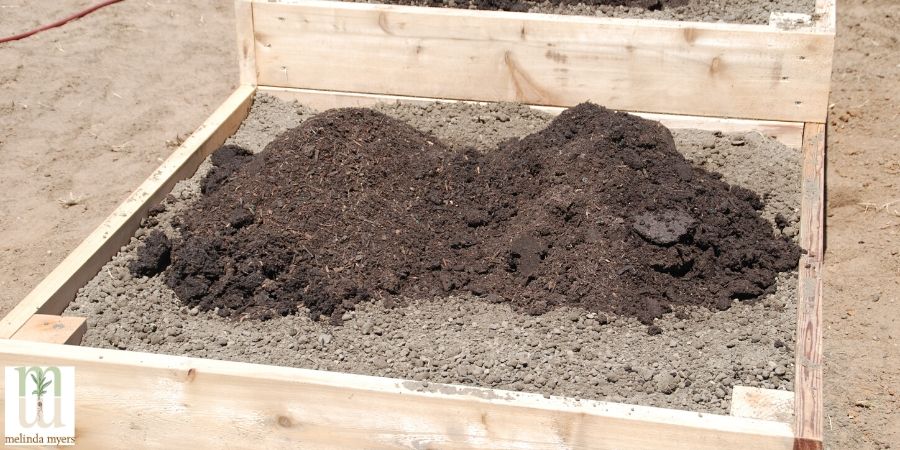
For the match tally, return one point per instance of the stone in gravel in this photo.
(708, 142)
(666, 383)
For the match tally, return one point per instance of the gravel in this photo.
(729, 11)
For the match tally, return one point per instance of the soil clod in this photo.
(225, 161)
(153, 257)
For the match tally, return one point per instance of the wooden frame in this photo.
(547, 61)
(699, 69)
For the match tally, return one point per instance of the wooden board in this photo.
(246, 46)
(809, 407)
(826, 15)
(55, 291)
(765, 404)
(53, 329)
(698, 69)
(789, 133)
(139, 400)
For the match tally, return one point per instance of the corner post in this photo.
(809, 413)
(246, 41)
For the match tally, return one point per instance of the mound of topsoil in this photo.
(598, 210)
(524, 5)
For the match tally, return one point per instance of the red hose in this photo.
(58, 22)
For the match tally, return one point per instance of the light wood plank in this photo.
(765, 404)
(826, 12)
(243, 17)
(138, 400)
(789, 133)
(740, 71)
(53, 329)
(808, 408)
(55, 291)
(789, 21)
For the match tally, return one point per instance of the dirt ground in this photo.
(89, 110)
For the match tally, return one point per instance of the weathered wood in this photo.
(55, 291)
(139, 400)
(826, 15)
(243, 17)
(53, 329)
(789, 21)
(723, 70)
(808, 407)
(764, 404)
(789, 133)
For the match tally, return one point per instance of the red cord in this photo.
(58, 22)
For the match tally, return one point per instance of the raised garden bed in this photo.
(752, 78)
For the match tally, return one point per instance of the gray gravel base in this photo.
(728, 11)
(461, 340)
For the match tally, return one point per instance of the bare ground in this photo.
(88, 111)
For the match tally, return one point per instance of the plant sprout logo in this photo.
(40, 405)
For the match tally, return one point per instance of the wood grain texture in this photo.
(138, 400)
(789, 133)
(765, 404)
(53, 329)
(723, 70)
(808, 406)
(55, 291)
(243, 17)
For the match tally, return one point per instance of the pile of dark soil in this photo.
(597, 210)
(525, 5)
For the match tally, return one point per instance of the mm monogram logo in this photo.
(43, 379)
(40, 405)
